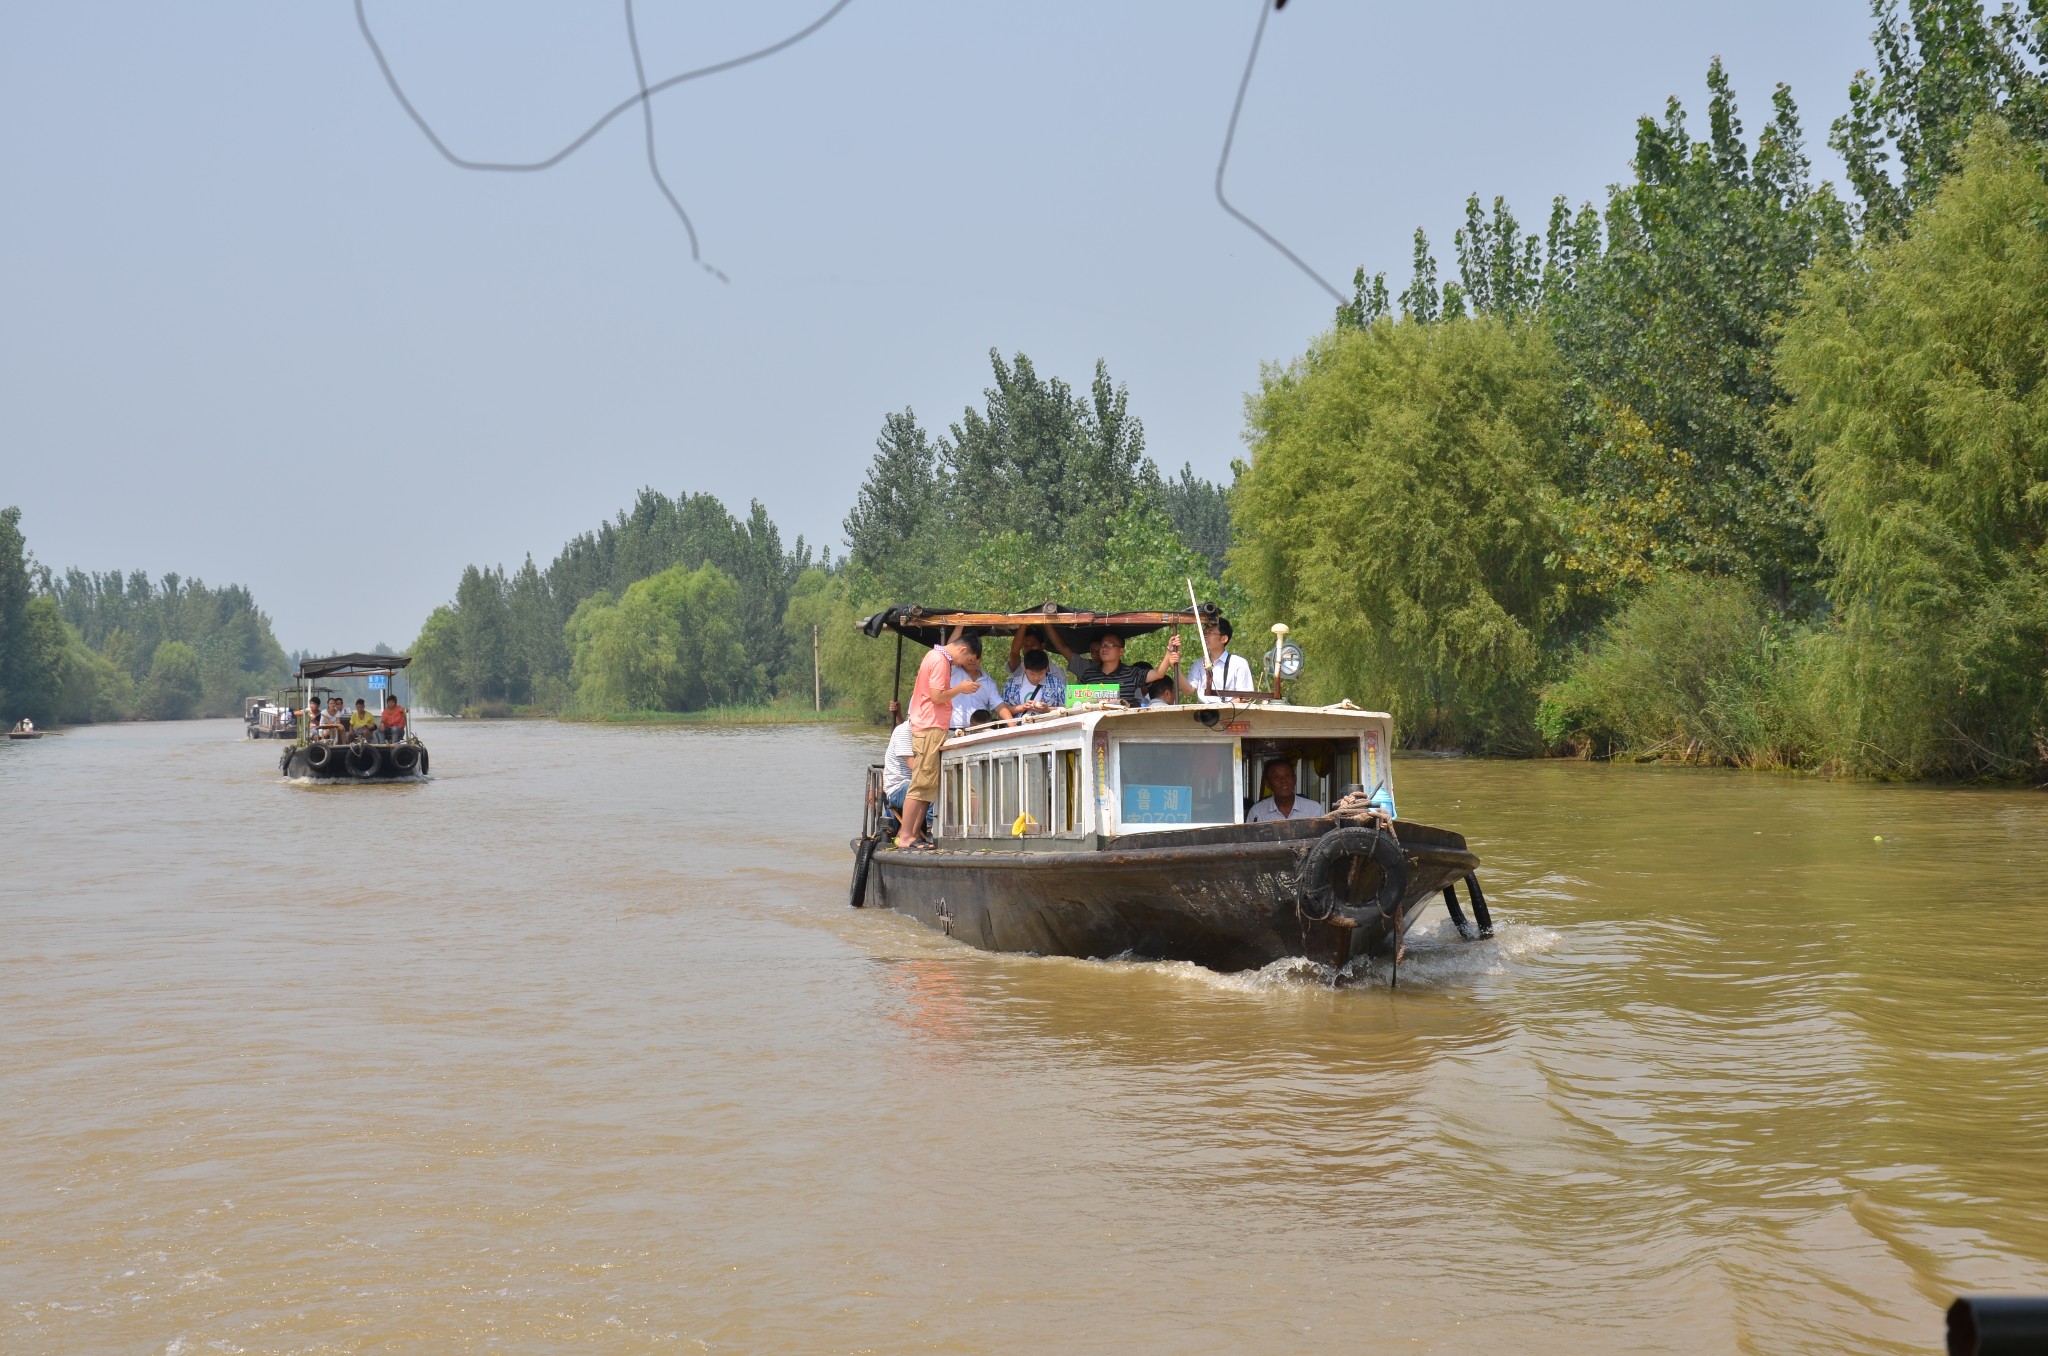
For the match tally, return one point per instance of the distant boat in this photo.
(337, 754)
(25, 729)
(1113, 832)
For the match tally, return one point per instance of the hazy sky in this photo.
(252, 328)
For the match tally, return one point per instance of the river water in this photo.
(578, 1044)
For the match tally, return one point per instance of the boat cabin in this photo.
(1097, 774)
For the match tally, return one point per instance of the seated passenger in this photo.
(983, 696)
(1036, 686)
(1283, 803)
(337, 719)
(1161, 692)
(391, 725)
(896, 769)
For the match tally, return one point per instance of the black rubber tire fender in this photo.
(1316, 894)
(405, 757)
(362, 761)
(863, 858)
(423, 760)
(320, 758)
(284, 762)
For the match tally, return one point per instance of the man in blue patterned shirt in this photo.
(1036, 685)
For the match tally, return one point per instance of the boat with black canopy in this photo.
(1107, 831)
(373, 754)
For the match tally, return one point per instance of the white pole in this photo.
(817, 674)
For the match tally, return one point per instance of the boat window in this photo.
(1191, 783)
(1322, 767)
(1037, 801)
(1006, 796)
(1069, 785)
(952, 819)
(977, 797)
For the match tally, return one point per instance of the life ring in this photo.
(320, 758)
(863, 858)
(362, 761)
(405, 757)
(1316, 893)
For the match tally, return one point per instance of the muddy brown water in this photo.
(578, 1045)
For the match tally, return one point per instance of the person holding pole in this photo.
(931, 713)
(1222, 671)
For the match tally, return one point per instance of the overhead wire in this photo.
(1223, 163)
(653, 163)
(644, 99)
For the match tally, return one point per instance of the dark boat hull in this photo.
(354, 763)
(1222, 898)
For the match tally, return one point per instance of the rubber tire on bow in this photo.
(362, 761)
(863, 858)
(405, 757)
(320, 758)
(1316, 895)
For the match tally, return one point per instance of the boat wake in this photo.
(1437, 957)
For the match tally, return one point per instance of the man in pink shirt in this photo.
(931, 712)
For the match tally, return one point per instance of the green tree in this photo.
(1672, 323)
(30, 659)
(1200, 512)
(1400, 512)
(897, 497)
(671, 642)
(1941, 70)
(1921, 401)
(1040, 460)
(175, 685)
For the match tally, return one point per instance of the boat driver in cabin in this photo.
(1283, 803)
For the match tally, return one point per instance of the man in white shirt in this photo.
(1220, 671)
(986, 696)
(896, 765)
(1283, 803)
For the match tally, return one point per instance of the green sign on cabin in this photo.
(1080, 694)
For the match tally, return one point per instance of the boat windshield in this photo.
(1173, 782)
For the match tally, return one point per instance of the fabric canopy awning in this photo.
(352, 665)
(932, 625)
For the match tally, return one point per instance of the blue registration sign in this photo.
(1159, 805)
(378, 680)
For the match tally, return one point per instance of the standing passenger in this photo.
(1222, 671)
(1108, 667)
(931, 711)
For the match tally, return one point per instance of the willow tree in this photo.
(670, 642)
(1922, 402)
(1400, 512)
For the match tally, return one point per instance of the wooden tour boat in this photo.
(24, 729)
(1104, 831)
(360, 759)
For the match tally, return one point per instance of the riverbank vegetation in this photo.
(1731, 468)
(1793, 511)
(94, 647)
